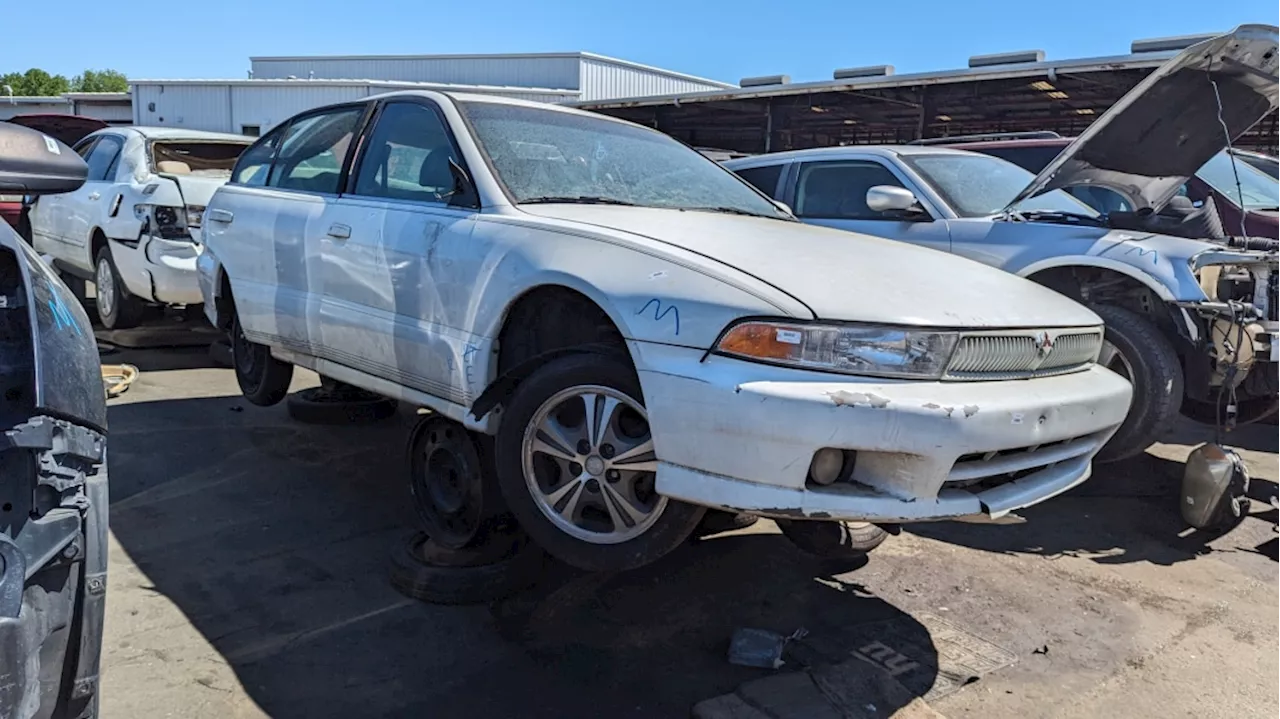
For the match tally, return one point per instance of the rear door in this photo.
(398, 263)
(833, 193)
(83, 210)
(265, 225)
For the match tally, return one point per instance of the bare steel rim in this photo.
(1113, 359)
(106, 287)
(590, 467)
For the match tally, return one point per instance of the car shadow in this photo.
(272, 538)
(1128, 511)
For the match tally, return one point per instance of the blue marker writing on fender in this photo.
(1155, 255)
(468, 361)
(659, 313)
(62, 316)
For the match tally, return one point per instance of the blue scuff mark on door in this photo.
(659, 312)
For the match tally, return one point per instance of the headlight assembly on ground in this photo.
(848, 349)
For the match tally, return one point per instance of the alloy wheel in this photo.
(590, 466)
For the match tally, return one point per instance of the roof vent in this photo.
(1007, 58)
(764, 80)
(1161, 44)
(850, 73)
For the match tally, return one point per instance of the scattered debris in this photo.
(116, 378)
(760, 647)
(1042, 649)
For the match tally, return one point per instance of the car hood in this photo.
(841, 275)
(1161, 132)
(67, 129)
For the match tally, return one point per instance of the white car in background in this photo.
(646, 334)
(133, 228)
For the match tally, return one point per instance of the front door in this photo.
(48, 216)
(833, 193)
(399, 267)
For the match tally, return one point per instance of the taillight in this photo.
(163, 221)
(195, 216)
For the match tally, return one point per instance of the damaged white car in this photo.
(645, 334)
(133, 228)
(1192, 323)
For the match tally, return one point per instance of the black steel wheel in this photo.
(453, 487)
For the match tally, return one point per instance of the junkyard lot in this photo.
(248, 578)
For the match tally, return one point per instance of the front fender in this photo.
(1153, 281)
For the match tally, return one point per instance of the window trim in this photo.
(780, 187)
(470, 200)
(270, 163)
(803, 165)
(343, 170)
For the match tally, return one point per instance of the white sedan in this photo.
(646, 335)
(133, 228)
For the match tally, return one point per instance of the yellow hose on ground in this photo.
(116, 378)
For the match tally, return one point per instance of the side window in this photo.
(407, 156)
(102, 159)
(838, 190)
(764, 178)
(254, 165)
(84, 147)
(313, 149)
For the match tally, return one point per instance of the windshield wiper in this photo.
(1033, 215)
(576, 200)
(729, 211)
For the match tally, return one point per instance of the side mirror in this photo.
(32, 163)
(464, 190)
(887, 198)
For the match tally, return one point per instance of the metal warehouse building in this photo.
(282, 86)
(1007, 92)
(111, 107)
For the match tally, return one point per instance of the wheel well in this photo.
(550, 318)
(223, 302)
(1099, 285)
(96, 244)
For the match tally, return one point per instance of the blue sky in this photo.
(723, 40)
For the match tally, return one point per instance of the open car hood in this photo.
(67, 129)
(1164, 129)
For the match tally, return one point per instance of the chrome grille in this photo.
(1023, 353)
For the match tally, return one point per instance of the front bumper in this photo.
(159, 270)
(740, 436)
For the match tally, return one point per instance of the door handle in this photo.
(94, 195)
(339, 231)
(223, 216)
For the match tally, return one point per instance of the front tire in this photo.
(1137, 350)
(576, 465)
(117, 309)
(263, 379)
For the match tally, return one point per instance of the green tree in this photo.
(100, 81)
(36, 82)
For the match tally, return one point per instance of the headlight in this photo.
(851, 349)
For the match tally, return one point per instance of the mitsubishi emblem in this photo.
(1044, 344)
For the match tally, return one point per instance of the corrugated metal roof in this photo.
(994, 72)
(483, 89)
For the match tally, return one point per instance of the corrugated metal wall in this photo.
(603, 80)
(33, 108)
(231, 107)
(547, 72)
(197, 107)
(268, 106)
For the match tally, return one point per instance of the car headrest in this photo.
(435, 171)
(174, 167)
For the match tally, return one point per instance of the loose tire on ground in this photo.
(315, 406)
(833, 540)
(263, 379)
(422, 570)
(666, 522)
(716, 521)
(1146, 358)
(117, 309)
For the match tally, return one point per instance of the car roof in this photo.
(178, 133)
(1033, 142)
(886, 151)
(496, 100)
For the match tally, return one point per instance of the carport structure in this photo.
(1004, 93)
